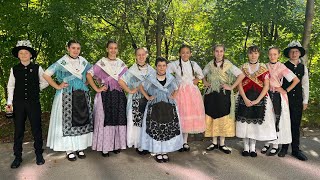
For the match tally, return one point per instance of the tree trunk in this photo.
(159, 28)
(247, 36)
(307, 28)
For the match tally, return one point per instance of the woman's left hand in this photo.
(226, 87)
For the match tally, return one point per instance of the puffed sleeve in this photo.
(198, 71)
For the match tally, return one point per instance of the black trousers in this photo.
(296, 108)
(21, 111)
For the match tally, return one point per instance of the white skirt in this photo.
(261, 132)
(284, 134)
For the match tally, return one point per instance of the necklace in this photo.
(253, 63)
(141, 65)
(273, 62)
(112, 59)
(72, 57)
(161, 74)
(218, 61)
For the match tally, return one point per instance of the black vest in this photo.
(27, 86)
(296, 93)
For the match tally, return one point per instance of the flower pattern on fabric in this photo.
(164, 127)
(138, 107)
(68, 129)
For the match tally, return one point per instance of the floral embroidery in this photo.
(63, 62)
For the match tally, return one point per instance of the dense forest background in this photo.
(161, 26)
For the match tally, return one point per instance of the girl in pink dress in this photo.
(279, 99)
(188, 97)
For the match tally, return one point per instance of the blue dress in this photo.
(161, 130)
(136, 103)
(71, 123)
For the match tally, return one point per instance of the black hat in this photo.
(24, 44)
(294, 45)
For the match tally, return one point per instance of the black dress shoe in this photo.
(282, 152)
(225, 149)
(158, 158)
(273, 152)
(81, 155)
(16, 162)
(186, 147)
(212, 147)
(105, 154)
(265, 149)
(165, 158)
(253, 154)
(245, 153)
(143, 152)
(71, 157)
(116, 151)
(40, 160)
(299, 155)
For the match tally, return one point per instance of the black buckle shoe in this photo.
(16, 162)
(71, 157)
(245, 153)
(40, 160)
(158, 158)
(81, 155)
(165, 158)
(212, 147)
(225, 149)
(282, 152)
(253, 154)
(143, 152)
(271, 153)
(299, 155)
(105, 154)
(265, 149)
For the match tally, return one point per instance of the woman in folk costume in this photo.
(219, 98)
(188, 97)
(71, 122)
(110, 122)
(161, 132)
(254, 113)
(136, 104)
(279, 99)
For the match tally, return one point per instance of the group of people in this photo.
(163, 105)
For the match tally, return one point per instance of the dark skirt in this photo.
(138, 108)
(114, 105)
(254, 114)
(217, 104)
(76, 113)
(162, 122)
(276, 101)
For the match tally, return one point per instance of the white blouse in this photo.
(187, 77)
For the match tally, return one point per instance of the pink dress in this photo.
(188, 97)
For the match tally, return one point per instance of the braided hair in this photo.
(180, 60)
(223, 58)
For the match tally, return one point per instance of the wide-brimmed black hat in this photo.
(294, 45)
(24, 44)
